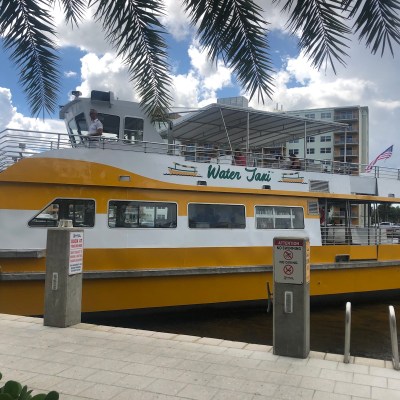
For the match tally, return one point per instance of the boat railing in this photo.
(16, 144)
(358, 235)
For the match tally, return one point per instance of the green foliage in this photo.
(233, 30)
(13, 390)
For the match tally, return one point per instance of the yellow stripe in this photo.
(14, 196)
(74, 172)
(119, 294)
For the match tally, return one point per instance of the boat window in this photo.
(80, 212)
(217, 216)
(277, 217)
(141, 214)
(77, 127)
(110, 125)
(133, 128)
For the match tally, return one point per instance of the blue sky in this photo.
(367, 81)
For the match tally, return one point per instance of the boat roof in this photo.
(240, 126)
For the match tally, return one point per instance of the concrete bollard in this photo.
(63, 286)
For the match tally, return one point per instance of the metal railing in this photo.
(337, 235)
(17, 144)
(393, 338)
(347, 333)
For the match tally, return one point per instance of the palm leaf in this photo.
(134, 29)
(74, 10)
(235, 31)
(377, 21)
(27, 29)
(322, 30)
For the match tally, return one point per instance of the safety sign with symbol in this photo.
(287, 254)
(288, 269)
(289, 260)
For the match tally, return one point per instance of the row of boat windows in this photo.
(145, 214)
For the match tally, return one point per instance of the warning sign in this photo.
(290, 260)
(75, 252)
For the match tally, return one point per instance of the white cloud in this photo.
(7, 110)
(175, 20)
(106, 73)
(70, 74)
(11, 118)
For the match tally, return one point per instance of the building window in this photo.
(293, 152)
(310, 151)
(217, 216)
(326, 150)
(326, 115)
(133, 128)
(326, 138)
(141, 214)
(294, 141)
(344, 115)
(310, 139)
(277, 217)
(81, 212)
(310, 116)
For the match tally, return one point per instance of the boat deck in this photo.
(17, 144)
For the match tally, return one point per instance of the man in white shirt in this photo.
(95, 127)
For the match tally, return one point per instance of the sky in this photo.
(88, 62)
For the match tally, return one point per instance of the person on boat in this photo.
(239, 158)
(295, 162)
(95, 127)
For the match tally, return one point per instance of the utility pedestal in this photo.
(291, 329)
(63, 287)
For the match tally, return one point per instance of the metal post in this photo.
(393, 338)
(347, 333)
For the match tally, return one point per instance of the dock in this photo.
(102, 362)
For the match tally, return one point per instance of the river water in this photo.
(370, 335)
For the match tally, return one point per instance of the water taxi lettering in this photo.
(222, 173)
(219, 173)
(257, 176)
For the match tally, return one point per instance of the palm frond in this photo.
(322, 30)
(377, 21)
(74, 10)
(134, 29)
(27, 28)
(235, 31)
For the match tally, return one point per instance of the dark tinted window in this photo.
(80, 212)
(133, 128)
(141, 214)
(277, 217)
(217, 216)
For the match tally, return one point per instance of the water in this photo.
(370, 335)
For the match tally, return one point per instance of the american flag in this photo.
(383, 156)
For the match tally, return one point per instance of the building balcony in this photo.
(348, 142)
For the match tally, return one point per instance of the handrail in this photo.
(16, 144)
(393, 338)
(347, 333)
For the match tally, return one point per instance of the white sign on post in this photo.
(75, 253)
(289, 260)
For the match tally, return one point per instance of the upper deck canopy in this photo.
(246, 127)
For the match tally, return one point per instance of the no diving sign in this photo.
(290, 260)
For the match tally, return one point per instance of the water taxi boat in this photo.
(157, 237)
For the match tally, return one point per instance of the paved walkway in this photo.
(99, 362)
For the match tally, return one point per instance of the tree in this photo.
(233, 30)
